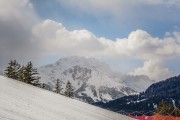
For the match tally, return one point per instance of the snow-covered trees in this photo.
(13, 69)
(26, 73)
(58, 87)
(21, 74)
(69, 92)
(31, 75)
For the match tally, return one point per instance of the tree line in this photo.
(68, 89)
(30, 75)
(27, 74)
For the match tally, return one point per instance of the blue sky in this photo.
(140, 37)
(155, 19)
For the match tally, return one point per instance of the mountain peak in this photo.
(88, 62)
(93, 80)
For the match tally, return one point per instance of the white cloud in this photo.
(142, 45)
(57, 40)
(16, 20)
(154, 69)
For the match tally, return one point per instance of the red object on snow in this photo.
(155, 117)
(160, 117)
(143, 117)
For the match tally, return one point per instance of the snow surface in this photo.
(20, 101)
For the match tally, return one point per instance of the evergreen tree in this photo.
(12, 70)
(58, 87)
(176, 111)
(69, 92)
(164, 108)
(43, 86)
(21, 74)
(167, 109)
(31, 75)
(46, 87)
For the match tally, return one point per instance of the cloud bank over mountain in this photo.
(24, 36)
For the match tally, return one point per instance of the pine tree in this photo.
(58, 87)
(31, 75)
(21, 74)
(167, 109)
(164, 108)
(12, 70)
(43, 86)
(176, 111)
(69, 92)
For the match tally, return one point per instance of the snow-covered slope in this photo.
(20, 101)
(93, 80)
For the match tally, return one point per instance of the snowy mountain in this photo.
(146, 102)
(93, 80)
(20, 101)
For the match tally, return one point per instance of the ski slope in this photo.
(20, 101)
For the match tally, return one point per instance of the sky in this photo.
(139, 37)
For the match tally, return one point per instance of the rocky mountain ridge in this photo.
(93, 80)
